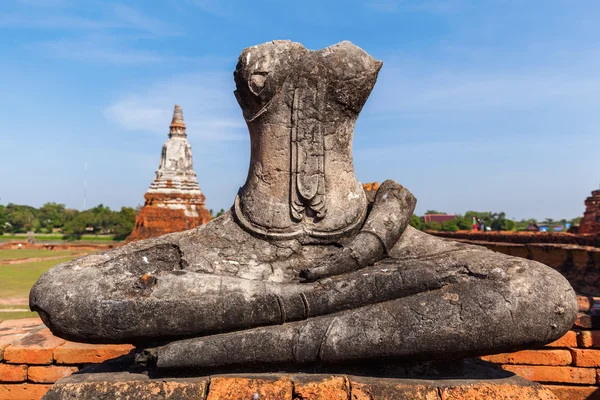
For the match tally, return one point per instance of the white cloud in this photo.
(117, 17)
(96, 50)
(425, 88)
(135, 19)
(209, 107)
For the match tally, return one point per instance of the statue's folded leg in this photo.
(504, 309)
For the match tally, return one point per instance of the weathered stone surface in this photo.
(476, 384)
(301, 107)
(305, 268)
(126, 386)
(174, 202)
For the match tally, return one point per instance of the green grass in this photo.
(4, 316)
(18, 279)
(7, 307)
(33, 253)
(59, 237)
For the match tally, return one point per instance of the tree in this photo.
(3, 220)
(434, 212)
(415, 222)
(77, 226)
(450, 226)
(52, 215)
(125, 223)
(432, 226)
(104, 219)
(20, 217)
(576, 221)
(464, 223)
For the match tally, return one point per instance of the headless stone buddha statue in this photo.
(306, 267)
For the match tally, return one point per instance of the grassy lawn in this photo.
(17, 279)
(59, 237)
(4, 316)
(33, 253)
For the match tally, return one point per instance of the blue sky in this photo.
(482, 104)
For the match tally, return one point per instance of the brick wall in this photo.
(579, 264)
(31, 359)
(570, 367)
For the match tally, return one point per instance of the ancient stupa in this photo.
(174, 202)
(590, 223)
(306, 274)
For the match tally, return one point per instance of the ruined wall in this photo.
(579, 264)
(32, 359)
(590, 222)
(168, 213)
(569, 366)
(563, 238)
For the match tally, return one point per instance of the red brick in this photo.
(586, 358)
(568, 340)
(13, 373)
(588, 339)
(23, 323)
(540, 373)
(332, 388)
(7, 340)
(226, 388)
(49, 374)
(575, 392)
(35, 348)
(584, 304)
(83, 353)
(583, 321)
(532, 357)
(26, 391)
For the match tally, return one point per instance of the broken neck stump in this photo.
(174, 202)
(305, 270)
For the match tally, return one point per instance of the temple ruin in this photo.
(174, 201)
(591, 217)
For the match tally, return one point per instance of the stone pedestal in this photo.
(477, 381)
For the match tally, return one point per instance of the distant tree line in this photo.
(72, 223)
(496, 221)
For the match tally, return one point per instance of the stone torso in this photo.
(301, 107)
